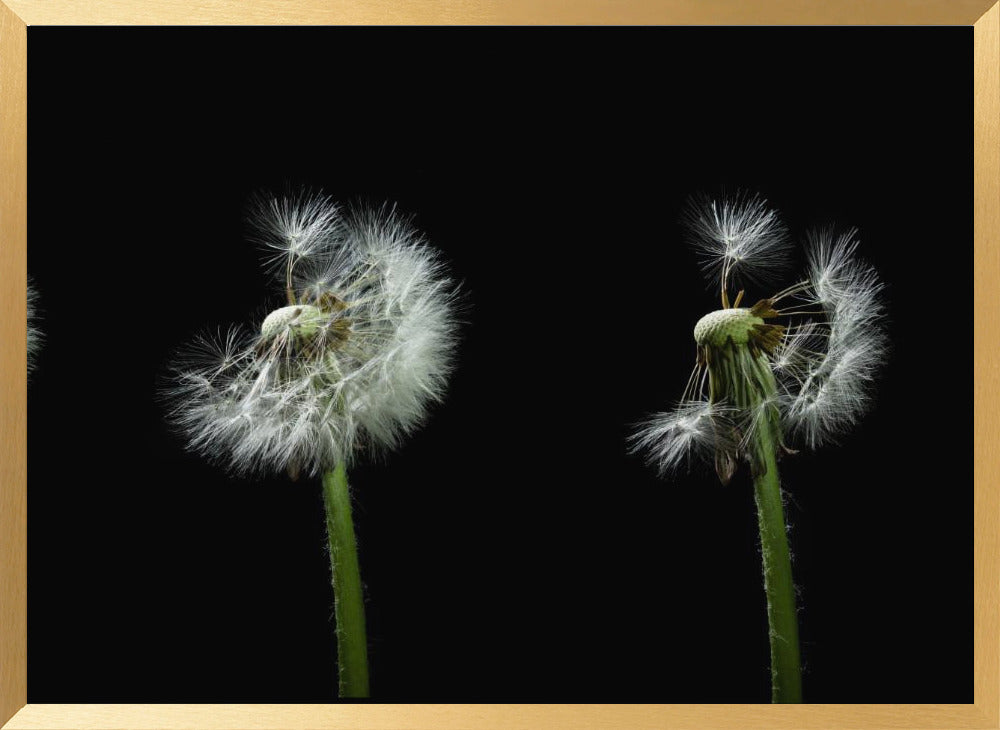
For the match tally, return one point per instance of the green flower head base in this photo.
(733, 346)
(361, 347)
(796, 368)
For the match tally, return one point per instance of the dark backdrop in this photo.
(512, 549)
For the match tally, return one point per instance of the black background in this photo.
(512, 549)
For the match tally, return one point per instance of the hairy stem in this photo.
(783, 628)
(348, 601)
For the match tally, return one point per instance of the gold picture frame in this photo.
(17, 15)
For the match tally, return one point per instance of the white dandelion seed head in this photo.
(801, 363)
(352, 364)
(738, 237)
(693, 431)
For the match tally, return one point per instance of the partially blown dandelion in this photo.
(350, 363)
(793, 370)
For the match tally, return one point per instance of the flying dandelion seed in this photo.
(349, 364)
(794, 370)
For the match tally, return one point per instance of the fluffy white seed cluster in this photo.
(832, 339)
(34, 333)
(833, 385)
(362, 348)
(738, 237)
(695, 430)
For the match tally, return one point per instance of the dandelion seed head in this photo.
(351, 364)
(800, 365)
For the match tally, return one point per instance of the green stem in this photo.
(348, 601)
(786, 672)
